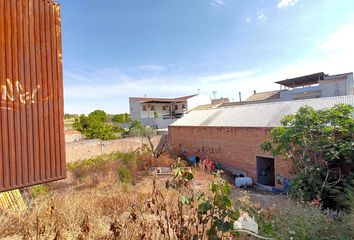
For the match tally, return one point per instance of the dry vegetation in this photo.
(100, 201)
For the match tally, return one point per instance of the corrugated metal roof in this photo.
(303, 80)
(256, 115)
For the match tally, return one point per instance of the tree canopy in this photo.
(99, 115)
(136, 129)
(319, 146)
(95, 126)
(121, 118)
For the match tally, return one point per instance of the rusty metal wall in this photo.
(32, 147)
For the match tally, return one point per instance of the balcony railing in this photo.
(173, 116)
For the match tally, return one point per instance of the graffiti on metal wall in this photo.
(15, 92)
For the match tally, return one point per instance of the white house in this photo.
(161, 112)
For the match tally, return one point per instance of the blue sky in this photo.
(114, 49)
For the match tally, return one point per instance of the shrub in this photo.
(203, 216)
(83, 167)
(129, 159)
(136, 129)
(124, 175)
(319, 144)
(302, 221)
(38, 190)
(180, 163)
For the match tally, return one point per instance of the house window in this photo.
(176, 107)
(164, 108)
(152, 108)
(183, 106)
(144, 108)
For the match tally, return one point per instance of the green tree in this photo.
(118, 118)
(99, 115)
(94, 126)
(319, 146)
(81, 123)
(127, 117)
(121, 118)
(98, 129)
(136, 129)
(69, 116)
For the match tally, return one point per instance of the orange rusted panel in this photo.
(32, 146)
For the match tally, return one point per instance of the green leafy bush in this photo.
(319, 145)
(125, 175)
(121, 118)
(213, 215)
(95, 126)
(86, 166)
(100, 115)
(136, 129)
(38, 190)
(179, 163)
(129, 159)
(303, 221)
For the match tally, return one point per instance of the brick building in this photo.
(232, 135)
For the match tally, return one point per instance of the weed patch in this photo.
(38, 190)
(124, 175)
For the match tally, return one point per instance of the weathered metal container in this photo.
(32, 147)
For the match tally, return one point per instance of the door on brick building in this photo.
(265, 171)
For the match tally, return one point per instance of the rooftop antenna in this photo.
(214, 93)
(239, 95)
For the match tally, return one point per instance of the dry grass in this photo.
(94, 204)
(90, 204)
(78, 214)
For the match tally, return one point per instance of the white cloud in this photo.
(341, 40)
(286, 3)
(248, 19)
(152, 68)
(217, 3)
(261, 16)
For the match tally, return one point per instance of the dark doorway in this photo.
(265, 171)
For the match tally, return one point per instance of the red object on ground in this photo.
(209, 165)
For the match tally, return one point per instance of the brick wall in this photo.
(94, 148)
(233, 147)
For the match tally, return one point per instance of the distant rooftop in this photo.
(264, 96)
(256, 98)
(205, 107)
(162, 100)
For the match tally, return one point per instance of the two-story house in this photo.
(161, 112)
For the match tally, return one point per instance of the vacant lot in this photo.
(113, 197)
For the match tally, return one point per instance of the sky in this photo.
(116, 49)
